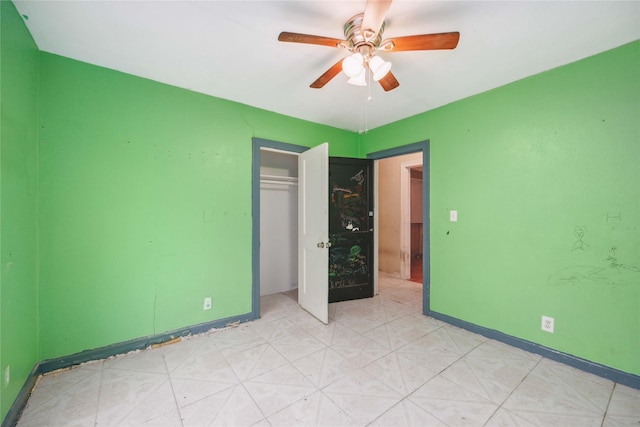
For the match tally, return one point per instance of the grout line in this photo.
(173, 391)
(606, 410)
(514, 390)
(264, 417)
(95, 418)
(387, 294)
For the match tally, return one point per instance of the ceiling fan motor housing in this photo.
(358, 42)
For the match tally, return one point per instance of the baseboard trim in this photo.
(11, 419)
(50, 365)
(64, 362)
(621, 377)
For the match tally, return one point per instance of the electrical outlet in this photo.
(7, 375)
(453, 216)
(207, 304)
(547, 324)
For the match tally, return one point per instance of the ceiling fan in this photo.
(363, 37)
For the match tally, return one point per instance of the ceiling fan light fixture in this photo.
(353, 65)
(379, 67)
(360, 79)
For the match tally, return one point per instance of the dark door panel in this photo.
(350, 229)
(350, 261)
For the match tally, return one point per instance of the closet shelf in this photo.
(275, 179)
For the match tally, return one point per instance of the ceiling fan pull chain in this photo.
(366, 103)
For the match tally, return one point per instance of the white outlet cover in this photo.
(207, 304)
(7, 375)
(547, 324)
(453, 216)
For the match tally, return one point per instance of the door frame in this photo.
(405, 216)
(257, 145)
(423, 147)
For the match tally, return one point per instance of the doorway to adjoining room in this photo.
(400, 216)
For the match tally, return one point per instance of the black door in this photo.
(350, 229)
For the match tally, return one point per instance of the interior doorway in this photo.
(400, 215)
(417, 226)
(278, 221)
(276, 169)
(259, 146)
(400, 248)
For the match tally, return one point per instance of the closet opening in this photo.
(278, 221)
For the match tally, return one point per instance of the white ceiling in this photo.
(229, 49)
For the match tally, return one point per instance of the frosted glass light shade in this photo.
(379, 67)
(353, 65)
(360, 79)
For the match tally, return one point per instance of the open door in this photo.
(350, 229)
(313, 231)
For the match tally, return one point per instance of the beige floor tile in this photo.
(379, 362)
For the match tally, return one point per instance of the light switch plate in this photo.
(453, 216)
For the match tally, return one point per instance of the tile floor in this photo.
(379, 362)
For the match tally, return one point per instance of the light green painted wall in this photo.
(545, 175)
(146, 203)
(145, 198)
(18, 204)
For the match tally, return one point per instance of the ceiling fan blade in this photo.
(374, 13)
(389, 82)
(328, 75)
(309, 39)
(422, 42)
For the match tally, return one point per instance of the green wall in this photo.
(18, 204)
(124, 202)
(145, 203)
(545, 175)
